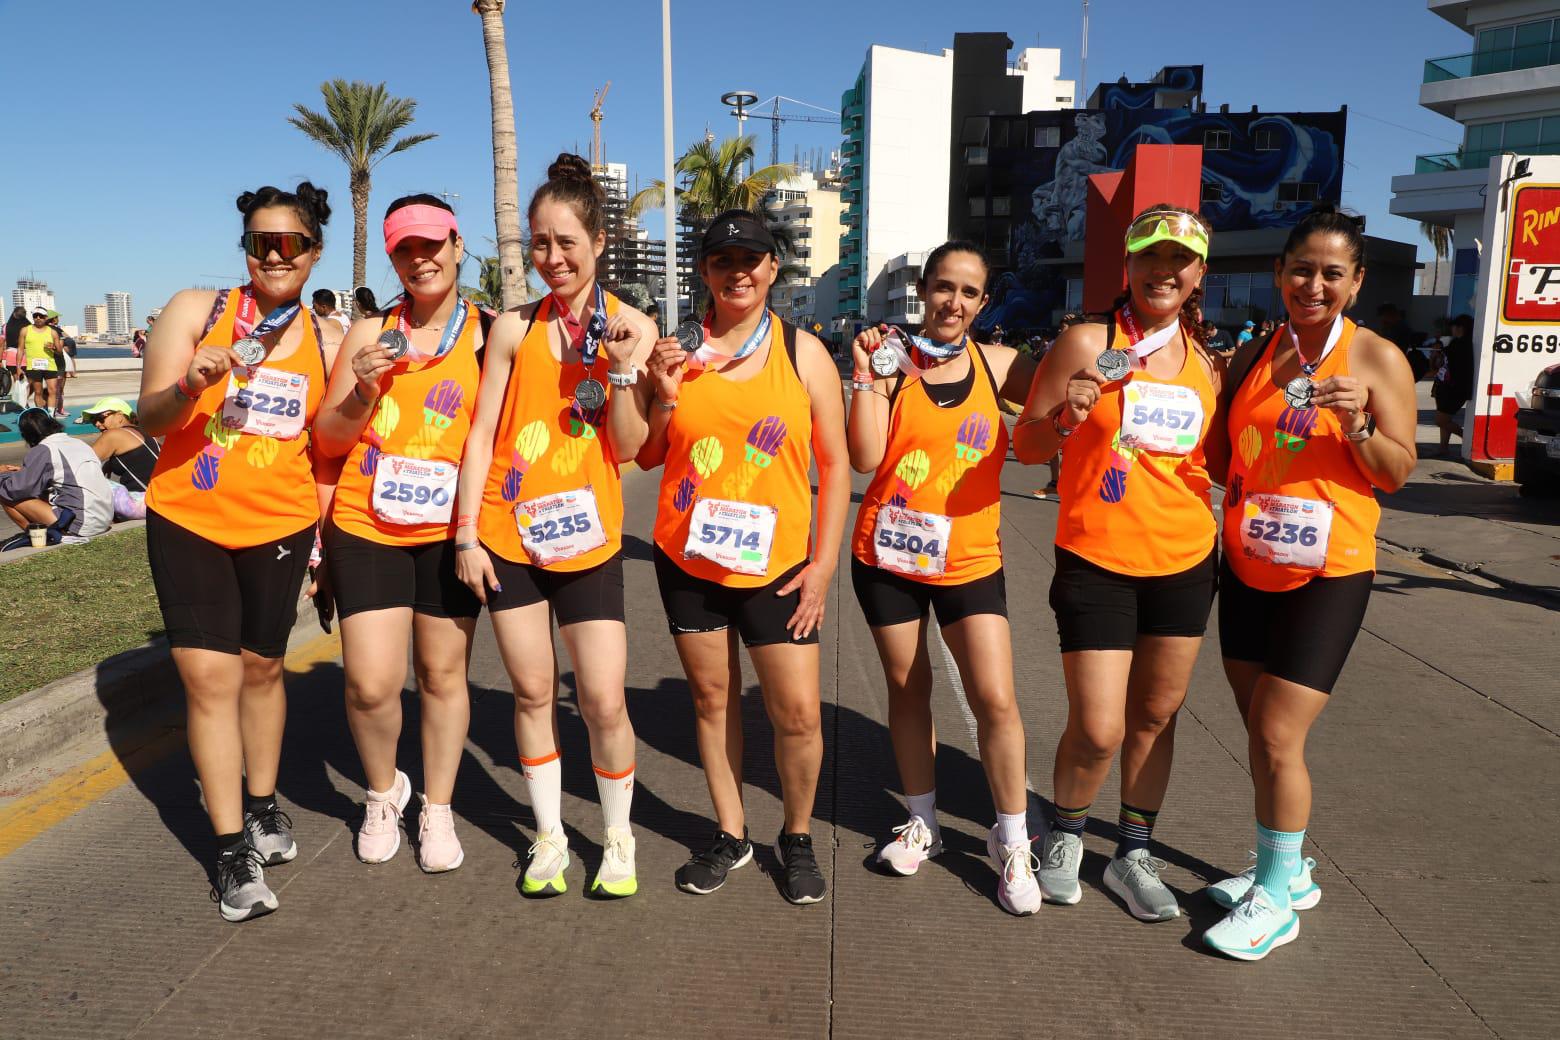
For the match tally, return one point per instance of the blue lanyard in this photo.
(271, 322)
(451, 329)
(588, 338)
(935, 348)
(760, 334)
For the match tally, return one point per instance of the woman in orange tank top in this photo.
(1321, 416)
(735, 415)
(541, 516)
(232, 381)
(926, 538)
(1131, 403)
(397, 414)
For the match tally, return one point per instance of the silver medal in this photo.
(690, 335)
(395, 343)
(250, 351)
(1113, 364)
(884, 361)
(589, 394)
(1297, 392)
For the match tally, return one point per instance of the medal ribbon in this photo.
(707, 354)
(1143, 346)
(935, 348)
(584, 338)
(244, 321)
(1310, 367)
(451, 328)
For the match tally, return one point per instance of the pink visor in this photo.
(428, 222)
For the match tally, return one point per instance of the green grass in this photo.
(72, 607)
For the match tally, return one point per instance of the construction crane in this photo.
(776, 118)
(597, 164)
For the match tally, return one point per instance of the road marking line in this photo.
(67, 794)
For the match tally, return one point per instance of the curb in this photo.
(1498, 577)
(127, 699)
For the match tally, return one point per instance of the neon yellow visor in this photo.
(1161, 225)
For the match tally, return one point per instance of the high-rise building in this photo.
(1506, 95)
(807, 209)
(119, 318)
(94, 319)
(30, 293)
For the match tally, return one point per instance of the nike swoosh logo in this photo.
(1258, 940)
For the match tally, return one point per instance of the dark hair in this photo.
(935, 258)
(1464, 320)
(324, 296)
(306, 200)
(1327, 219)
(569, 180)
(35, 424)
(420, 199)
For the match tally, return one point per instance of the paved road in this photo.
(1435, 768)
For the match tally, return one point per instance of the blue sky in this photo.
(129, 144)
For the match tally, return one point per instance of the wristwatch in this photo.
(1364, 433)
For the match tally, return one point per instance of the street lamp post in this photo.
(670, 181)
(740, 101)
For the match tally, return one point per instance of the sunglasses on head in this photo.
(288, 245)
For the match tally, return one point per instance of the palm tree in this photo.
(1440, 238)
(489, 290)
(506, 178)
(359, 121)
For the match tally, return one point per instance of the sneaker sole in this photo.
(276, 859)
(1135, 908)
(1072, 899)
(615, 889)
(236, 915)
(459, 859)
(797, 900)
(1284, 938)
(695, 890)
(893, 868)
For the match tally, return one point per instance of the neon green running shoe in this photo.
(616, 877)
(549, 859)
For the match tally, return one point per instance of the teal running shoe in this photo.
(1253, 929)
(1304, 893)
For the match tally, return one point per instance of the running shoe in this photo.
(380, 835)
(1018, 890)
(913, 846)
(616, 876)
(549, 859)
(1254, 928)
(269, 831)
(438, 850)
(240, 892)
(1304, 893)
(802, 882)
(1060, 858)
(706, 871)
(1135, 878)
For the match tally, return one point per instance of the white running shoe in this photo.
(1304, 893)
(379, 837)
(1253, 929)
(549, 859)
(616, 877)
(913, 846)
(1018, 891)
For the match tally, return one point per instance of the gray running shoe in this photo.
(1135, 878)
(241, 891)
(1059, 863)
(270, 832)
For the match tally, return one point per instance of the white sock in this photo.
(616, 791)
(1012, 828)
(544, 780)
(925, 806)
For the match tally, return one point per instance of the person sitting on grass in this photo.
(59, 484)
(127, 452)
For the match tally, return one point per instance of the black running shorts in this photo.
(887, 598)
(594, 594)
(696, 605)
(369, 575)
(1303, 635)
(1097, 609)
(226, 599)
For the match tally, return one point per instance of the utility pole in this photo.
(670, 182)
(1081, 99)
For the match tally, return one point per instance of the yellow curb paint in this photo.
(63, 797)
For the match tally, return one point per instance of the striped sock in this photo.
(1278, 854)
(544, 781)
(1070, 820)
(1133, 829)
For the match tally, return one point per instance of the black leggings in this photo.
(1303, 635)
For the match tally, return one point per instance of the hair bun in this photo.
(314, 198)
(570, 167)
(246, 201)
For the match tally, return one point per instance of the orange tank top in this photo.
(238, 471)
(1298, 506)
(553, 497)
(398, 484)
(1134, 485)
(940, 480)
(735, 483)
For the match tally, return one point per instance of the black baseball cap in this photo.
(737, 227)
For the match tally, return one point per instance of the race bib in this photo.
(414, 491)
(1161, 418)
(733, 535)
(1285, 531)
(908, 542)
(265, 402)
(41, 365)
(561, 526)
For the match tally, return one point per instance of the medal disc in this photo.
(589, 394)
(884, 362)
(1113, 364)
(395, 343)
(690, 335)
(1297, 392)
(250, 351)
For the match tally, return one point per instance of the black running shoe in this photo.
(707, 870)
(241, 891)
(269, 830)
(801, 882)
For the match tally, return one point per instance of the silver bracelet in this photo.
(667, 406)
(463, 546)
(623, 379)
(866, 387)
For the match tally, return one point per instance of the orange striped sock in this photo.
(616, 791)
(544, 781)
